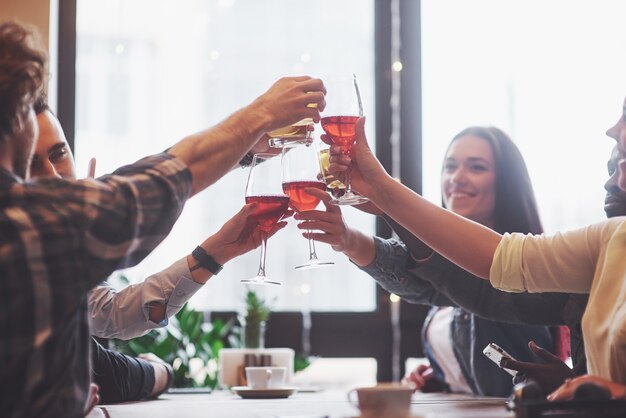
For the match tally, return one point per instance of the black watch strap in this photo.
(205, 261)
(246, 161)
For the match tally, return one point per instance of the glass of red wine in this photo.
(343, 109)
(264, 188)
(301, 169)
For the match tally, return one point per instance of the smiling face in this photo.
(53, 157)
(468, 179)
(615, 201)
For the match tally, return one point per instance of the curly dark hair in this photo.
(22, 75)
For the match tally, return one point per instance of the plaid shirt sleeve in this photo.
(85, 230)
(59, 239)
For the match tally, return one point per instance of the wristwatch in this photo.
(205, 261)
(246, 161)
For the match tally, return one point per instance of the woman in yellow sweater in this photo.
(588, 260)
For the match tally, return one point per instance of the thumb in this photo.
(361, 139)
(247, 210)
(543, 353)
(326, 139)
(324, 198)
(91, 168)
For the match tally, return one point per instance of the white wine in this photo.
(296, 134)
(334, 186)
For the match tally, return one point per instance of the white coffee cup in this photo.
(266, 377)
(384, 400)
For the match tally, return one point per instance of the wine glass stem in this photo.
(312, 253)
(347, 180)
(261, 272)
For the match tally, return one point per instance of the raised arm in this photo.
(211, 153)
(140, 307)
(464, 242)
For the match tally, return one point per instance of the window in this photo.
(145, 82)
(550, 73)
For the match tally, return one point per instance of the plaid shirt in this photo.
(58, 239)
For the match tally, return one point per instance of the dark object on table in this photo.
(592, 401)
(591, 392)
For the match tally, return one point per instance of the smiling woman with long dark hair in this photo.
(483, 178)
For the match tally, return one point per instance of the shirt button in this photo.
(180, 292)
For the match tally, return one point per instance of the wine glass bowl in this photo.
(340, 129)
(264, 189)
(301, 170)
(270, 209)
(343, 109)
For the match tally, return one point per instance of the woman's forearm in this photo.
(464, 242)
(361, 248)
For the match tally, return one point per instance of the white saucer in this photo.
(274, 393)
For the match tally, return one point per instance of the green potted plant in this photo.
(253, 321)
(189, 344)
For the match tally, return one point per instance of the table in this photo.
(324, 404)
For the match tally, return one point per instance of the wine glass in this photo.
(334, 186)
(343, 109)
(293, 135)
(264, 188)
(301, 169)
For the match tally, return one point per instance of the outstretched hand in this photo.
(239, 235)
(423, 379)
(330, 225)
(365, 169)
(549, 375)
(567, 390)
(93, 398)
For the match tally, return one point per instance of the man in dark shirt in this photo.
(60, 238)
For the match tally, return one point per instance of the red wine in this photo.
(340, 129)
(300, 200)
(270, 208)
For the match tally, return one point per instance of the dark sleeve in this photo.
(482, 299)
(121, 378)
(477, 295)
(392, 269)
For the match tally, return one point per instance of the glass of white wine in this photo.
(334, 186)
(300, 133)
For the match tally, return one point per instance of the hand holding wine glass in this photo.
(290, 100)
(301, 171)
(343, 109)
(264, 188)
(367, 173)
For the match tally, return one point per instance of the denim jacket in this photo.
(439, 282)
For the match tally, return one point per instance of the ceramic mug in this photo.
(384, 400)
(266, 377)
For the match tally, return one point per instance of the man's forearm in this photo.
(211, 153)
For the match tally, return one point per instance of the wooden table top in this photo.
(324, 404)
